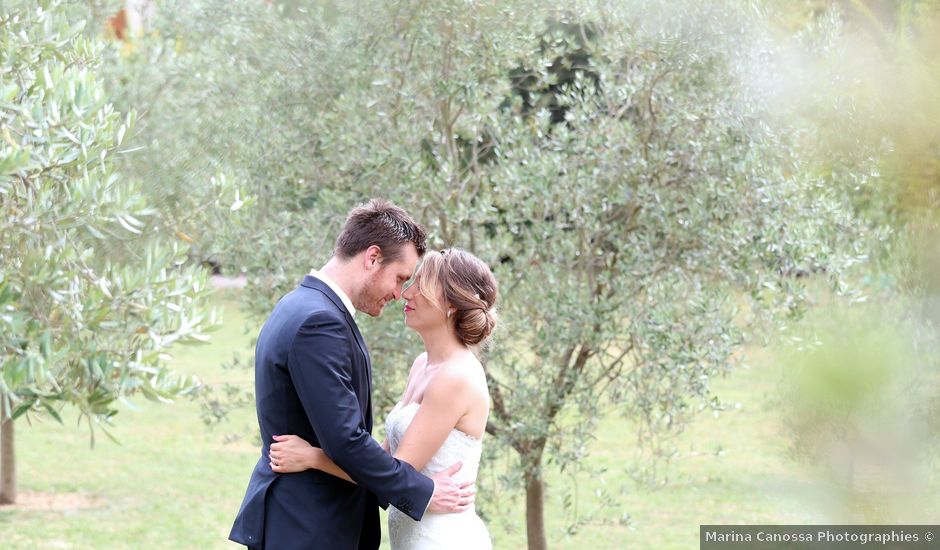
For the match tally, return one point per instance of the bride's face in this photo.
(420, 313)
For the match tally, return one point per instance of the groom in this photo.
(313, 378)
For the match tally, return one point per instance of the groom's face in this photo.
(386, 281)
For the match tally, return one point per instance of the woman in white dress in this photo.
(442, 415)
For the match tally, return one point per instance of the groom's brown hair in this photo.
(383, 224)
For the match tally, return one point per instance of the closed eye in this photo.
(410, 283)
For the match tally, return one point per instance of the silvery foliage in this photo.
(636, 242)
(94, 287)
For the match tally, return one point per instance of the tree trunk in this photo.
(7, 460)
(535, 510)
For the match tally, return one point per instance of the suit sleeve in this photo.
(321, 372)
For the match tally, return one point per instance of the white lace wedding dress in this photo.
(438, 531)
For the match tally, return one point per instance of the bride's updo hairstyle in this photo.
(468, 285)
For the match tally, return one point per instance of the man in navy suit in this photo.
(313, 378)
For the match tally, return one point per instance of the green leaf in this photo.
(52, 412)
(22, 409)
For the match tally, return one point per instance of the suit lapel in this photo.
(365, 351)
(316, 284)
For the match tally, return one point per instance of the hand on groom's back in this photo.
(449, 496)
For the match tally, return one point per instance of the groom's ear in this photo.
(372, 257)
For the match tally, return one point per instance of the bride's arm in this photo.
(445, 402)
(293, 454)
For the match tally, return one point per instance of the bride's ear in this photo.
(450, 312)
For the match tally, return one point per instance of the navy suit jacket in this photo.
(313, 378)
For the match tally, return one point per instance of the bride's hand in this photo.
(292, 454)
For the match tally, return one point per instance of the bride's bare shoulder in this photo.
(463, 373)
(420, 360)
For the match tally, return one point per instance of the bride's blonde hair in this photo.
(468, 285)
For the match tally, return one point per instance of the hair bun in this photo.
(474, 325)
(470, 288)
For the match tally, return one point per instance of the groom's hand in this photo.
(449, 496)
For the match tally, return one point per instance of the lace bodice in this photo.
(451, 531)
(458, 447)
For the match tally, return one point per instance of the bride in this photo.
(442, 415)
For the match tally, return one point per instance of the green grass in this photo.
(173, 484)
(170, 482)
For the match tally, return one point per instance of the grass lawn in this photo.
(173, 484)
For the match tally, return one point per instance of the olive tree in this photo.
(622, 236)
(612, 163)
(94, 286)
